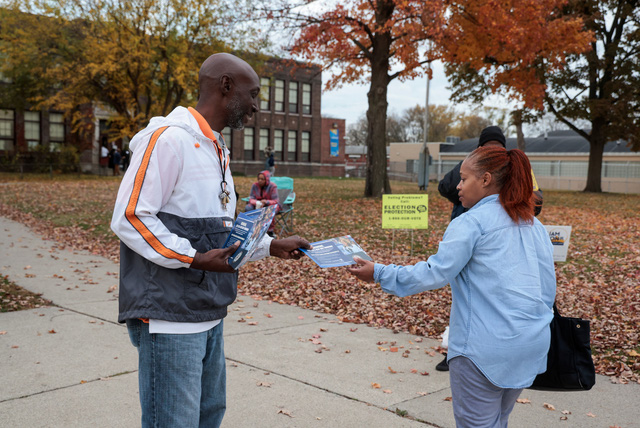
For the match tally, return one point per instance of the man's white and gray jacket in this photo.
(167, 209)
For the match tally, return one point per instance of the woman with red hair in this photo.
(498, 260)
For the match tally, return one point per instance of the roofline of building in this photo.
(552, 154)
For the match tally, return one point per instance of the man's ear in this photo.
(226, 83)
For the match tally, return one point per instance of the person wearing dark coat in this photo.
(126, 157)
(491, 135)
(117, 158)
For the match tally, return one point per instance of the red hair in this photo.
(511, 171)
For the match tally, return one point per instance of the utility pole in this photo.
(426, 108)
(423, 162)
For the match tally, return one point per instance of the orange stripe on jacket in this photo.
(208, 132)
(130, 212)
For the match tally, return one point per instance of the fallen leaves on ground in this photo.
(16, 298)
(599, 282)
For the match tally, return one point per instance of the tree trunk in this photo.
(516, 116)
(596, 151)
(377, 180)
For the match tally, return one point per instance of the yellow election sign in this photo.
(405, 211)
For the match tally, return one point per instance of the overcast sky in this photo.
(350, 101)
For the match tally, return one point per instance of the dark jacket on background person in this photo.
(448, 184)
(126, 157)
(117, 158)
(447, 188)
(111, 158)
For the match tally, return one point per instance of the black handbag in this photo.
(569, 363)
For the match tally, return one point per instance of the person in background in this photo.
(267, 153)
(117, 159)
(104, 156)
(264, 193)
(271, 162)
(498, 259)
(489, 136)
(174, 210)
(110, 157)
(126, 158)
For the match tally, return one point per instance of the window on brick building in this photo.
(32, 129)
(292, 142)
(56, 131)
(305, 143)
(306, 98)
(293, 97)
(265, 88)
(227, 135)
(248, 143)
(278, 143)
(264, 139)
(7, 125)
(279, 96)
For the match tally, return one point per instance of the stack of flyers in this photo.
(249, 229)
(335, 252)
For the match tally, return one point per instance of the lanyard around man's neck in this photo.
(208, 132)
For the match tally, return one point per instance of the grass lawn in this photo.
(600, 280)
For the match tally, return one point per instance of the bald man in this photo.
(174, 211)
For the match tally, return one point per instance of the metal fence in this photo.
(628, 170)
(619, 177)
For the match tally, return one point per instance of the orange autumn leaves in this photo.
(600, 280)
(508, 40)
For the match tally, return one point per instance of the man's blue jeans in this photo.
(182, 377)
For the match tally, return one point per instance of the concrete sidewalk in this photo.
(71, 365)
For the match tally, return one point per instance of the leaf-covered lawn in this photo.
(600, 280)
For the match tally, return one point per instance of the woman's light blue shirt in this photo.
(503, 285)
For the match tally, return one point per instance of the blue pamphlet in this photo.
(249, 229)
(335, 252)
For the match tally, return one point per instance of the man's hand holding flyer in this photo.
(249, 229)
